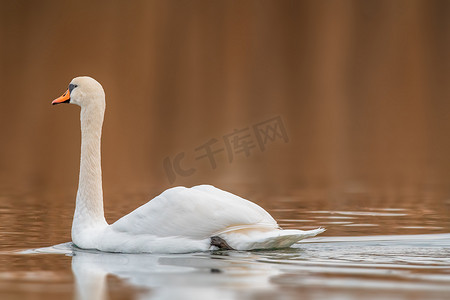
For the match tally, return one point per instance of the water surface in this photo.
(371, 249)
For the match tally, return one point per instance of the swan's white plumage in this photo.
(178, 220)
(198, 212)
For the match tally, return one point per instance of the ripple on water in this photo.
(360, 213)
(369, 262)
(395, 264)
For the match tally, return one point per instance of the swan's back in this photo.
(197, 213)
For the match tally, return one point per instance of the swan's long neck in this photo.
(89, 204)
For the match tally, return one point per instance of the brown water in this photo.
(377, 245)
(362, 91)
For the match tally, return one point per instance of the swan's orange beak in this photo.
(65, 98)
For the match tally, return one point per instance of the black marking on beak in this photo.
(71, 87)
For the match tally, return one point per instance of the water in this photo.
(362, 89)
(373, 248)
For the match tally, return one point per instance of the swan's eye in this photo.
(71, 87)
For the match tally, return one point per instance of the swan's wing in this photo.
(197, 213)
(268, 240)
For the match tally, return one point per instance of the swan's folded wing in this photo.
(197, 213)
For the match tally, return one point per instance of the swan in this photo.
(179, 220)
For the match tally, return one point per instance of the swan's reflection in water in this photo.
(219, 275)
(390, 267)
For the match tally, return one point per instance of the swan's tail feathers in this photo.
(276, 239)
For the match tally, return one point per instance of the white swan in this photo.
(179, 220)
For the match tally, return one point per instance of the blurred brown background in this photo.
(362, 88)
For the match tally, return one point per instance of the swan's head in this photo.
(83, 91)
